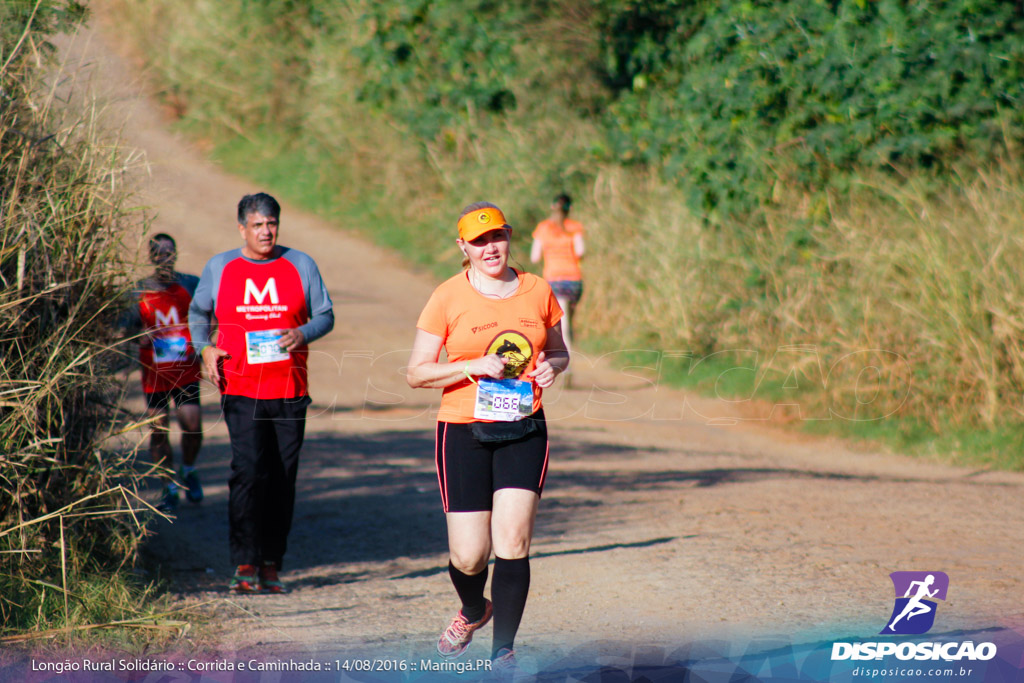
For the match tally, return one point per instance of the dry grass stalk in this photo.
(69, 511)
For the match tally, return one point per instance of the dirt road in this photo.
(662, 524)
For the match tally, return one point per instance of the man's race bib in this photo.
(503, 400)
(264, 346)
(171, 349)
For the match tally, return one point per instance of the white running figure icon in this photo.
(915, 607)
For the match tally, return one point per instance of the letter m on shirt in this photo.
(168, 318)
(251, 292)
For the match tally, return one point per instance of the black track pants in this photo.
(266, 436)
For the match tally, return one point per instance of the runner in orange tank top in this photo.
(501, 331)
(559, 242)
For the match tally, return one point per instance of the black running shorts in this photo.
(160, 401)
(469, 472)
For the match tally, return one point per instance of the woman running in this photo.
(501, 332)
(558, 240)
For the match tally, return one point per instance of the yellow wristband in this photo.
(465, 371)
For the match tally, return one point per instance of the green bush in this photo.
(737, 102)
(734, 97)
(47, 18)
(432, 63)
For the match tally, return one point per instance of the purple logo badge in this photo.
(914, 610)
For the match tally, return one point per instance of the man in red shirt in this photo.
(269, 303)
(170, 366)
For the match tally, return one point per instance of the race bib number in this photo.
(503, 400)
(264, 347)
(173, 349)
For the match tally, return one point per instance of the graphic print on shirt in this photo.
(169, 361)
(263, 346)
(169, 336)
(167, 318)
(253, 292)
(472, 326)
(256, 305)
(515, 349)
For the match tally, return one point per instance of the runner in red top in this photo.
(269, 303)
(170, 366)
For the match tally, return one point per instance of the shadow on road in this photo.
(374, 499)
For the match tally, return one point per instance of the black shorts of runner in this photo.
(567, 289)
(469, 471)
(160, 401)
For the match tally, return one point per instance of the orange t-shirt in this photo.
(473, 325)
(560, 259)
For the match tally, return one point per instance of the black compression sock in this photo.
(471, 591)
(508, 591)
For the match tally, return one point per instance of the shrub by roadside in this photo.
(70, 518)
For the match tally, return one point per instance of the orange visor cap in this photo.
(476, 223)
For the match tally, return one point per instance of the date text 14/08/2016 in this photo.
(406, 665)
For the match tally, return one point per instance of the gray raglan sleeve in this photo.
(318, 301)
(200, 311)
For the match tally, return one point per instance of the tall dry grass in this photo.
(70, 517)
(905, 299)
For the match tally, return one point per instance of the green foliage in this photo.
(732, 98)
(738, 102)
(431, 63)
(731, 101)
(40, 18)
(637, 38)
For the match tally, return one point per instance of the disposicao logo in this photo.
(914, 610)
(913, 613)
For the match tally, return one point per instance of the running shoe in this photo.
(504, 667)
(459, 634)
(244, 580)
(169, 501)
(193, 489)
(269, 581)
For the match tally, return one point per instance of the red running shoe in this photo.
(459, 634)
(244, 580)
(269, 581)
